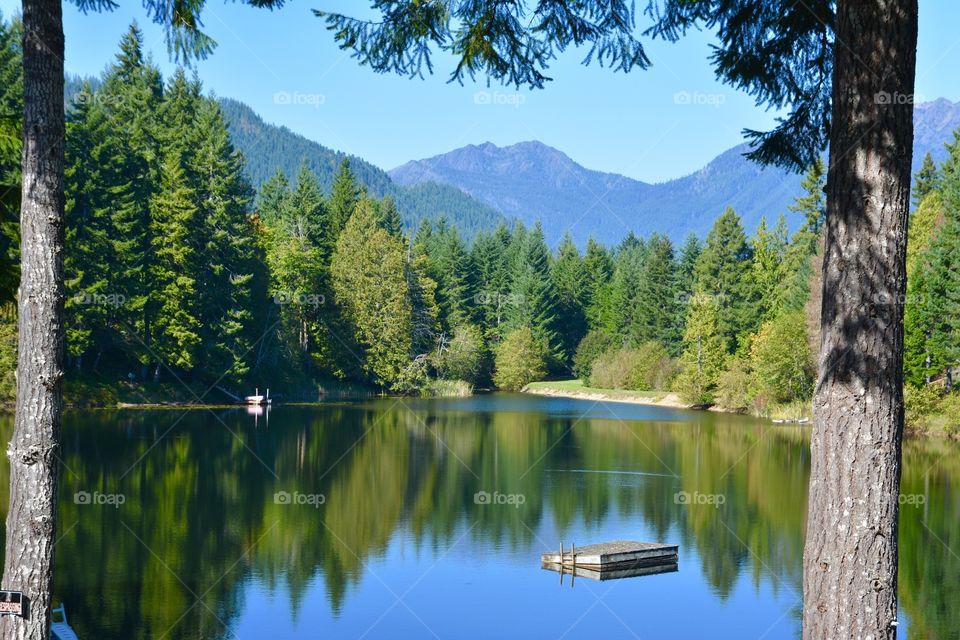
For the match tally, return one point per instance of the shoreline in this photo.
(668, 399)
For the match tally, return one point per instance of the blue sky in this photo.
(651, 125)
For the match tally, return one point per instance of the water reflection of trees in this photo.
(200, 518)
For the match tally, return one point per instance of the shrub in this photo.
(781, 360)
(520, 360)
(920, 403)
(465, 356)
(447, 389)
(614, 369)
(734, 386)
(655, 369)
(950, 407)
(593, 345)
(646, 368)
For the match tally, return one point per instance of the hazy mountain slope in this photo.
(268, 147)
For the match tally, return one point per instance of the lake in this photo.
(408, 518)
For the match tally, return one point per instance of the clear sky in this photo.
(651, 125)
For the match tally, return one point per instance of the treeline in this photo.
(176, 269)
(173, 271)
(932, 303)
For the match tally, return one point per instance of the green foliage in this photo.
(925, 180)
(920, 403)
(593, 345)
(533, 301)
(735, 385)
(723, 272)
(520, 359)
(950, 409)
(269, 149)
(781, 360)
(464, 357)
(8, 352)
(570, 280)
(704, 351)
(368, 277)
(645, 368)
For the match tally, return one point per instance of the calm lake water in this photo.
(369, 520)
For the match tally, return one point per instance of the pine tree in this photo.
(305, 214)
(343, 199)
(704, 351)
(172, 308)
(88, 260)
(812, 206)
(569, 275)
(656, 313)
(769, 251)
(369, 279)
(723, 272)
(272, 197)
(533, 301)
(450, 267)
(228, 250)
(924, 180)
(621, 316)
(491, 280)
(599, 267)
(390, 216)
(11, 110)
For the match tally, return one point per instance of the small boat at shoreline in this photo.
(258, 400)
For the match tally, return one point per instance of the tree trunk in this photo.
(850, 558)
(34, 448)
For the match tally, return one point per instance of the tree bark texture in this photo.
(850, 558)
(34, 448)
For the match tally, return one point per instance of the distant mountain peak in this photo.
(531, 181)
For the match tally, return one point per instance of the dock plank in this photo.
(618, 552)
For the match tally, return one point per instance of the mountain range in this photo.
(268, 148)
(531, 181)
(480, 186)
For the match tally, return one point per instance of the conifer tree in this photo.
(533, 298)
(622, 308)
(369, 280)
(11, 108)
(723, 271)
(343, 198)
(87, 215)
(390, 216)
(451, 269)
(599, 267)
(172, 308)
(924, 180)
(569, 275)
(656, 314)
(704, 351)
(272, 197)
(228, 250)
(769, 248)
(491, 280)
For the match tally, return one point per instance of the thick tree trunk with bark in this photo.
(34, 449)
(850, 559)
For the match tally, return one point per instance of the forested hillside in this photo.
(268, 148)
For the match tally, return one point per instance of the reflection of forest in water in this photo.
(200, 503)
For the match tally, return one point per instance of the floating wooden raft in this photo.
(617, 556)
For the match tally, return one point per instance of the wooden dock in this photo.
(628, 571)
(620, 554)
